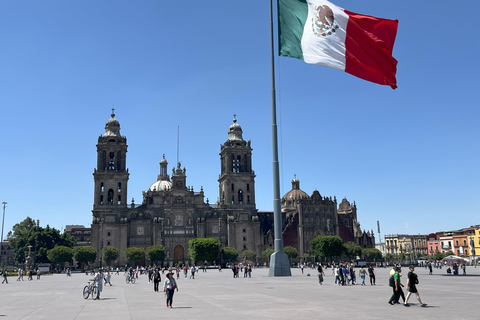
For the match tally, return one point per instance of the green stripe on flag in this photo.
(292, 15)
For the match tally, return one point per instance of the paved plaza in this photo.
(217, 295)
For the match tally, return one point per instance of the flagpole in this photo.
(279, 263)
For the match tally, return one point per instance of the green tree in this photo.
(28, 233)
(249, 255)
(229, 254)
(60, 254)
(201, 249)
(371, 254)
(110, 254)
(291, 252)
(267, 253)
(133, 254)
(84, 255)
(156, 253)
(352, 250)
(327, 246)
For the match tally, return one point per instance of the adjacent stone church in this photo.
(172, 213)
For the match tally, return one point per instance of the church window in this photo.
(110, 196)
(108, 243)
(102, 187)
(119, 187)
(109, 234)
(240, 196)
(233, 199)
(235, 163)
(244, 247)
(233, 187)
(248, 187)
(111, 162)
(101, 199)
(244, 239)
(244, 230)
(248, 199)
(119, 200)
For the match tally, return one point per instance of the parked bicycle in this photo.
(130, 278)
(90, 289)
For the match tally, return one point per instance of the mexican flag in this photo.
(321, 33)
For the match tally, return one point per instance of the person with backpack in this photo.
(412, 281)
(394, 282)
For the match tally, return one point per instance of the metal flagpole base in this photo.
(279, 265)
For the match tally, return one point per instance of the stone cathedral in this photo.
(172, 213)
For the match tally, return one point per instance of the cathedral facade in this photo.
(171, 213)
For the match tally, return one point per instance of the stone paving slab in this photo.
(217, 295)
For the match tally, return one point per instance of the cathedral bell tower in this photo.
(111, 174)
(237, 179)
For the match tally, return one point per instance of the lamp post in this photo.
(1, 239)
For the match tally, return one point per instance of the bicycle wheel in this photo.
(86, 293)
(133, 280)
(127, 280)
(94, 293)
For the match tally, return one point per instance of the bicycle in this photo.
(90, 289)
(129, 278)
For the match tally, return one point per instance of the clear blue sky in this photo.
(408, 157)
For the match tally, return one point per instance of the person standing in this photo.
(337, 275)
(320, 274)
(38, 274)
(371, 275)
(412, 281)
(156, 280)
(192, 272)
(99, 280)
(169, 287)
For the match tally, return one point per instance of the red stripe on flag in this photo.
(369, 46)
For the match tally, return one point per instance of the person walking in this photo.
(371, 275)
(321, 274)
(362, 273)
(412, 281)
(5, 275)
(156, 280)
(192, 272)
(169, 287)
(397, 287)
(108, 278)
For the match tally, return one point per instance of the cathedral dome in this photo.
(112, 127)
(295, 193)
(160, 185)
(235, 131)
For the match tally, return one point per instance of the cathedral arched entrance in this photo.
(178, 254)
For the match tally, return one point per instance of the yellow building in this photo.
(473, 236)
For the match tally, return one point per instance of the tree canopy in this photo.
(85, 254)
(267, 253)
(133, 254)
(201, 249)
(352, 250)
(110, 254)
(249, 255)
(372, 254)
(60, 254)
(28, 233)
(156, 253)
(327, 246)
(229, 254)
(291, 252)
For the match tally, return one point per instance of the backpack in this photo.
(391, 281)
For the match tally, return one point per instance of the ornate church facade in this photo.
(172, 213)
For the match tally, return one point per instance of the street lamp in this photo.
(1, 239)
